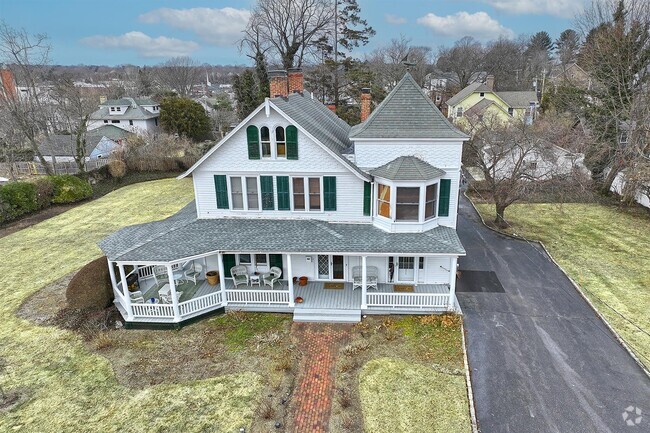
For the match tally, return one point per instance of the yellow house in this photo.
(480, 99)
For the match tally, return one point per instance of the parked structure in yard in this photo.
(298, 212)
(481, 100)
(133, 115)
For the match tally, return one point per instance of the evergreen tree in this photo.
(567, 47)
(185, 117)
(246, 93)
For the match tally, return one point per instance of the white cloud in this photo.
(144, 45)
(559, 8)
(394, 19)
(214, 26)
(479, 25)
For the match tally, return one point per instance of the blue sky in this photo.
(145, 32)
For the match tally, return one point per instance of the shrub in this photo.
(44, 192)
(17, 198)
(91, 286)
(68, 189)
(117, 168)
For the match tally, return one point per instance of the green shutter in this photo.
(253, 136)
(329, 192)
(445, 190)
(221, 188)
(283, 192)
(228, 262)
(275, 260)
(292, 142)
(266, 183)
(366, 198)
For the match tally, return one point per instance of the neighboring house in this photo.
(481, 100)
(641, 196)
(133, 115)
(571, 74)
(100, 143)
(301, 213)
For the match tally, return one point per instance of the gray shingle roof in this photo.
(407, 168)
(183, 235)
(129, 101)
(64, 145)
(407, 112)
(518, 99)
(468, 90)
(479, 107)
(134, 110)
(319, 121)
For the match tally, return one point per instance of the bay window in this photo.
(430, 201)
(407, 207)
(383, 200)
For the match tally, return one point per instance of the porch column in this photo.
(222, 280)
(111, 272)
(452, 284)
(290, 281)
(364, 283)
(172, 288)
(125, 292)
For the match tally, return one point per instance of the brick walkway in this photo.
(313, 395)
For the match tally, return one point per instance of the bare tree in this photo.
(178, 74)
(28, 112)
(388, 61)
(517, 158)
(616, 54)
(289, 29)
(505, 60)
(74, 106)
(465, 60)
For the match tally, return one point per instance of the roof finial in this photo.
(405, 61)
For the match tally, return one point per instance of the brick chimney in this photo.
(7, 83)
(489, 82)
(295, 77)
(278, 84)
(331, 106)
(366, 99)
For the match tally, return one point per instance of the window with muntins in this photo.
(408, 204)
(314, 193)
(459, 112)
(252, 196)
(430, 201)
(383, 200)
(298, 193)
(237, 193)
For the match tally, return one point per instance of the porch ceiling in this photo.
(183, 235)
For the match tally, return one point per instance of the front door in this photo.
(331, 267)
(406, 269)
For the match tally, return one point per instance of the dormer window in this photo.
(112, 108)
(482, 94)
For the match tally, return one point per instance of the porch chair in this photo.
(372, 277)
(193, 271)
(239, 275)
(272, 276)
(167, 299)
(160, 274)
(136, 297)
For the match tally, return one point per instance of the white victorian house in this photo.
(130, 114)
(300, 213)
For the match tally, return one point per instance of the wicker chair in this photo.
(272, 276)
(192, 271)
(239, 275)
(136, 297)
(372, 277)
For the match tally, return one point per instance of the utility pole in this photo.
(336, 53)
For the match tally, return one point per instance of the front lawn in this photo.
(604, 249)
(65, 386)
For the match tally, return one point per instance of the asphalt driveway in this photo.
(541, 360)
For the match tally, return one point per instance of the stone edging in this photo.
(468, 380)
(618, 338)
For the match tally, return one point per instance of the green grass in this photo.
(68, 387)
(400, 396)
(605, 250)
(241, 328)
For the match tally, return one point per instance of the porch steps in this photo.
(326, 315)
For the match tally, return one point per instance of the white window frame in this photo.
(459, 112)
(244, 193)
(271, 140)
(275, 142)
(305, 180)
(393, 200)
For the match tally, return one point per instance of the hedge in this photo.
(68, 189)
(91, 286)
(16, 199)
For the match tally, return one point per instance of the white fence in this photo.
(258, 296)
(198, 304)
(408, 300)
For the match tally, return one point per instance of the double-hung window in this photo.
(236, 193)
(314, 193)
(383, 200)
(280, 143)
(306, 194)
(265, 141)
(244, 193)
(430, 201)
(298, 184)
(252, 193)
(408, 204)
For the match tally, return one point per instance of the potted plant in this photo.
(303, 281)
(212, 277)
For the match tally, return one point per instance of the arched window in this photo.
(265, 141)
(280, 142)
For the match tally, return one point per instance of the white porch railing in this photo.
(408, 300)
(147, 271)
(198, 304)
(258, 296)
(161, 311)
(117, 291)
